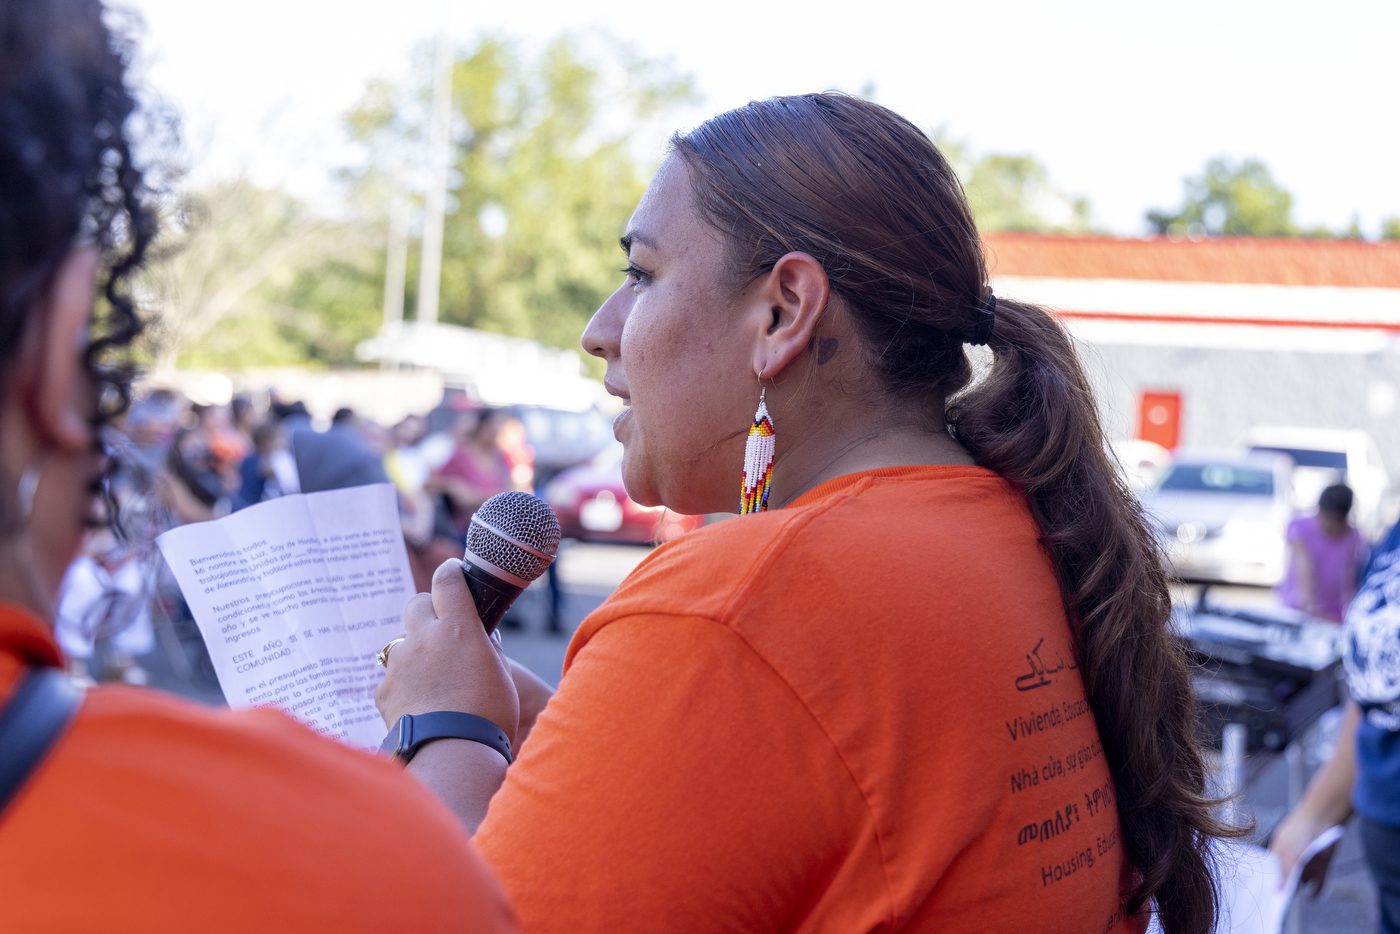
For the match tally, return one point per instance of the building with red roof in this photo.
(1233, 332)
(1322, 295)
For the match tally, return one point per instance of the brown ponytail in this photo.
(869, 196)
(1032, 419)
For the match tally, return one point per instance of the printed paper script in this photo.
(294, 596)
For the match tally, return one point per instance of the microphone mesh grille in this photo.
(523, 520)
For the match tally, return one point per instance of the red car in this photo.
(593, 506)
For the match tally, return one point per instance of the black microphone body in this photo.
(511, 541)
(492, 595)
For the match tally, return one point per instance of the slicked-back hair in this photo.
(868, 195)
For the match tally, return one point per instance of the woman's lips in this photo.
(618, 420)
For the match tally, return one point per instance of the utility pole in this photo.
(430, 269)
(395, 275)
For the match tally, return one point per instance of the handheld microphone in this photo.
(512, 540)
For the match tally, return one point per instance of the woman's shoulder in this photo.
(698, 573)
(871, 518)
(1301, 525)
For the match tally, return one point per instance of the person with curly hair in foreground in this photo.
(144, 812)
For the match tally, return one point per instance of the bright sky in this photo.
(1121, 99)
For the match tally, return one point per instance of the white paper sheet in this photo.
(1254, 896)
(294, 596)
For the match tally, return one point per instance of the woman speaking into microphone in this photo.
(924, 680)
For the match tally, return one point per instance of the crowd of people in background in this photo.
(175, 461)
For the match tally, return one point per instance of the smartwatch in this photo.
(413, 731)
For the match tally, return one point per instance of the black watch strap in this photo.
(413, 731)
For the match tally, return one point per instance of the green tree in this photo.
(1013, 191)
(245, 276)
(1390, 228)
(544, 176)
(1232, 199)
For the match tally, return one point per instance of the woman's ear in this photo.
(796, 291)
(56, 389)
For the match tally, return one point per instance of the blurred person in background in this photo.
(515, 445)
(379, 438)
(283, 461)
(1362, 776)
(430, 541)
(440, 426)
(125, 809)
(339, 457)
(226, 446)
(404, 462)
(345, 417)
(103, 619)
(1325, 557)
(194, 485)
(476, 470)
(837, 714)
(243, 418)
(151, 425)
(258, 476)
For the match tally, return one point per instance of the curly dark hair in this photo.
(67, 178)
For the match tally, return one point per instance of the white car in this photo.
(1141, 462)
(1223, 517)
(1324, 456)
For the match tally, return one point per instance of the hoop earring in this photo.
(759, 449)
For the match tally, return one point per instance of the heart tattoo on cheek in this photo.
(826, 349)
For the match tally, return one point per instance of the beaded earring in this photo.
(758, 461)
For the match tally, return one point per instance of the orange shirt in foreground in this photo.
(152, 814)
(860, 712)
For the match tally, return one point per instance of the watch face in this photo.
(394, 744)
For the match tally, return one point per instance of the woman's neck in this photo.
(811, 462)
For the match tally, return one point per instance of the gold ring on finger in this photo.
(382, 656)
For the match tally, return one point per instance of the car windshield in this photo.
(1309, 457)
(1239, 479)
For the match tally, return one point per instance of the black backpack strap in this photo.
(38, 711)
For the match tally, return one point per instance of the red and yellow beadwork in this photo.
(758, 462)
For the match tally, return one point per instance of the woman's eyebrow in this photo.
(636, 236)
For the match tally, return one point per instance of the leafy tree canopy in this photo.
(248, 276)
(1013, 191)
(1232, 199)
(544, 175)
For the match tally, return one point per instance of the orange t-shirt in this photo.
(153, 814)
(860, 712)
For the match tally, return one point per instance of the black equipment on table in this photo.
(1272, 670)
